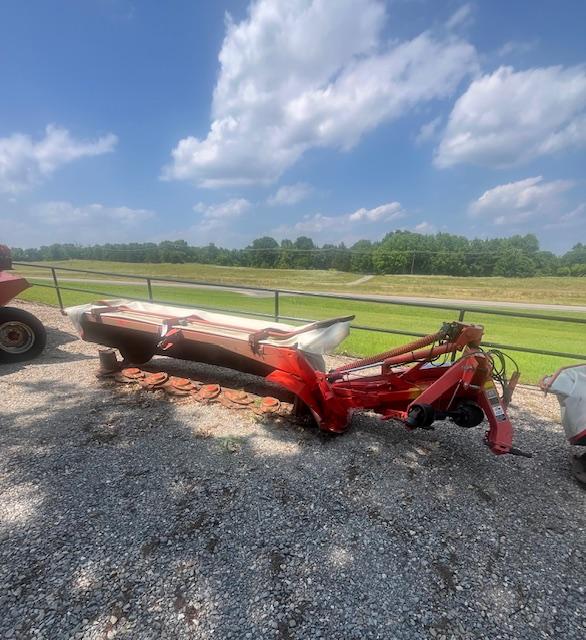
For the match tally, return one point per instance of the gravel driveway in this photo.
(123, 515)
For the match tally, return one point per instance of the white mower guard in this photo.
(569, 386)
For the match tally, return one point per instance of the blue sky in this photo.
(337, 119)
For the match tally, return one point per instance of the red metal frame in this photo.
(10, 287)
(395, 384)
(403, 382)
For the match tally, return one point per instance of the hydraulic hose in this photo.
(397, 351)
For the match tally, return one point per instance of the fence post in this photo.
(276, 305)
(56, 283)
(150, 289)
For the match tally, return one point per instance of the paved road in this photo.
(456, 302)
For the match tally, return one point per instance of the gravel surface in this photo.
(126, 515)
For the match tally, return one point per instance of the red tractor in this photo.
(22, 335)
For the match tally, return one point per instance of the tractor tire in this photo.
(22, 335)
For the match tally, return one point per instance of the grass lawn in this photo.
(540, 290)
(547, 290)
(548, 335)
(281, 278)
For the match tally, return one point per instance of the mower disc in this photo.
(208, 392)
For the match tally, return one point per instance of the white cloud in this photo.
(337, 226)
(290, 194)
(218, 224)
(461, 17)
(316, 223)
(384, 212)
(574, 218)
(531, 199)
(300, 74)
(233, 208)
(510, 117)
(66, 213)
(425, 227)
(428, 131)
(25, 162)
(62, 221)
(217, 218)
(516, 47)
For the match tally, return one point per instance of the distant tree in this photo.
(304, 243)
(578, 270)
(546, 263)
(385, 261)
(324, 259)
(514, 263)
(449, 264)
(397, 252)
(526, 244)
(286, 260)
(303, 258)
(342, 258)
(361, 257)
(577, 255)
(264, 252)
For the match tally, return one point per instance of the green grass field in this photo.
(540, 290)
(537, 334)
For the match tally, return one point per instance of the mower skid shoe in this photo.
(499, 436)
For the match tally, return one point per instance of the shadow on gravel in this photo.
(218, 375)
(131, 516)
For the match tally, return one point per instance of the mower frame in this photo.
(406, 383)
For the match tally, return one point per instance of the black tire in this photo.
(22, 335)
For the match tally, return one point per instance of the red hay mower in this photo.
(445, 375)
(22, 335)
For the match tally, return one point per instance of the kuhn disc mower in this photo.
(22, 335)
(445, 375)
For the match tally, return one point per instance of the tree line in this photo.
(399, 252)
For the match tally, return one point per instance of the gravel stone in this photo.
(123, 514)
